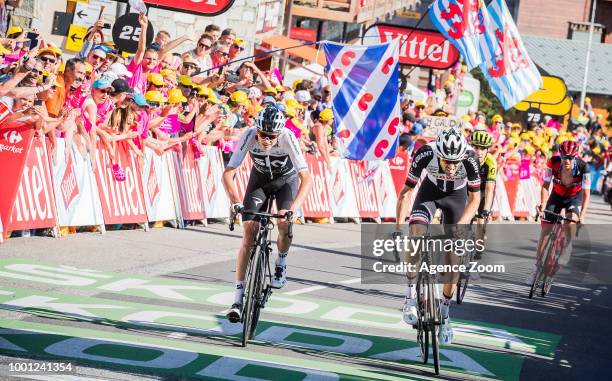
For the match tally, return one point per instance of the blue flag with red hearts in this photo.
(365, 98)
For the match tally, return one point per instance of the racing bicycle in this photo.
(428, 309)
(547, 268)
(258, 276)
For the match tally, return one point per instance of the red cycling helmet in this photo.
(568, 148)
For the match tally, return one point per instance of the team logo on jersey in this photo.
(257, 201)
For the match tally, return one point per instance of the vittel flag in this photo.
(365, 97)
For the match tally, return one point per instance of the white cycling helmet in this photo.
(451, 145)
(270, 120)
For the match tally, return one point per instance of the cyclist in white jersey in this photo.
(451, 165)
(279, 170)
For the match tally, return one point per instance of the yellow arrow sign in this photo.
(559, 109)
(76, 34)
(553, 91)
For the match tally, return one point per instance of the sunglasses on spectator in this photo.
(154, 104)
(201, 45)
(264, 136)
(106, 91)
(240, 48)
(222, 54)
(38, 72)
(98, 58)
(189, 66)
(47, 60)
(567, 157)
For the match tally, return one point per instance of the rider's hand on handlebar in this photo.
(236, 208)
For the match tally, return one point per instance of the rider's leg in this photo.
(284, 198)
(569, 229)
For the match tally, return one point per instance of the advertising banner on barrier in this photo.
(211, 168)
(242, 176)
(385, 188)
(122, 201)
(317, 203)
(342, 191)
(188, 179)
(364, 189)
(501, 207)
(159, 197)
(34, 205)
(398, 167)
(77, 199)
(15, 141)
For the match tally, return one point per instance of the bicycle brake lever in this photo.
(231, 224)
(289, 216)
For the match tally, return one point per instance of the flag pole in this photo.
(588, 56)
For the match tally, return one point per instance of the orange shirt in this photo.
(55, 105)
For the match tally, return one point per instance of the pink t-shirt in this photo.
(100, 110)
(171, 124)
(143, 124)
(139, 77)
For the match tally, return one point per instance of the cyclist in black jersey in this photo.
(279, 170)
(451, 166)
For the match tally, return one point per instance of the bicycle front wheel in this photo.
(433, 321)
(421, 326)
(251, 295)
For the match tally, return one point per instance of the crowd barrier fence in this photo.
(184, 185)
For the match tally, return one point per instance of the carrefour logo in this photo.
(13, 137)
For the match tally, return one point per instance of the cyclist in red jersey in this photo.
(571, 191)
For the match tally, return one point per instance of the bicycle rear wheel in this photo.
(251, 294)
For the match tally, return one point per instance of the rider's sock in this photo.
(411, 291)
(282, 259)
(445, 306)
(239, 292)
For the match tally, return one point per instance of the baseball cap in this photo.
(102, 83)
(239, 42)
(294, 104)
(121, 86)
(139, 99)
(271, 90)
(120, 69)
(239, 97)
(50, 50)
(268, 99)
(417, 128)
(155, 96)
(326, 115)
(14, 30)
(156, 79)
(176, 96)
(168, 73)
(419, 104)
(185, 80)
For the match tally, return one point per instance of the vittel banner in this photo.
(418, 47)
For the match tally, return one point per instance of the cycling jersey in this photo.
(488, 171)
(427, 158)
(283, 159)
(581, 177)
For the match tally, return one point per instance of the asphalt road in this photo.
(131, 305)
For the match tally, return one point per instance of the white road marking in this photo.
(305, 290)
(351, 281)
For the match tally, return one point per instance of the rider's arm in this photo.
(490, 184)
(421, 158)
(472, 167)
(234, 163)
(544, 193)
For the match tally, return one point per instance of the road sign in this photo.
(126, 32)
(86, 14)
(74, 40)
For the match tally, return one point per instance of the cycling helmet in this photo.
(481, 138)
(451, 145)
(270, 120)
(568, 148)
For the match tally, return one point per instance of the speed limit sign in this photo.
(126, 32)
(534, 115)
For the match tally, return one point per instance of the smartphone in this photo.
(106, 26)
(38, 102)
(33, 37)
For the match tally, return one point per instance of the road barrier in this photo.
(182, 185)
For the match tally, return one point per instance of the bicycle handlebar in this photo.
(287, 216)
(557, 216)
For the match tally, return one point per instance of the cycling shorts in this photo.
(260, 189)
(430, 198)
(557, 203)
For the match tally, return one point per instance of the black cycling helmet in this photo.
(270, 120)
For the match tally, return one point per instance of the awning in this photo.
(306, 52)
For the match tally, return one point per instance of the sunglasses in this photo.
(223, 54)
(189, 66)
(240, 48)
(154, 104)
(567, 157)
(106, 91)
(98, 58)
(204, 46)
(38, 72)
(451, 162)
(47, 60)
(264, 136)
